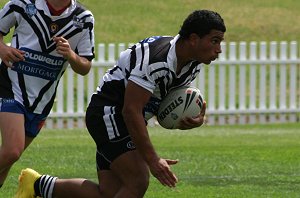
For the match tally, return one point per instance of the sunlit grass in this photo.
(129, 21)
(214, 161)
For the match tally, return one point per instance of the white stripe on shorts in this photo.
(110, 122)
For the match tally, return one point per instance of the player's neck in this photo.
(181, 54)
(59, 4)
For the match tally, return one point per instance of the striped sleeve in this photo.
(86, 43)
(7, 18)
(147, 75)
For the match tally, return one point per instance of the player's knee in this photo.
(107, 192)
(140, 186)
(133, 191)
(10, 156)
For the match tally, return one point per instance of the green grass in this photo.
(215, 161)
(130, 20)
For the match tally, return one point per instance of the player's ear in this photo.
(193, 38)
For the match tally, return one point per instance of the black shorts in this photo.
(107, 127)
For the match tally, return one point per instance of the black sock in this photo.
(36, 187)
(1, 185)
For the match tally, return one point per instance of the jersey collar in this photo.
(172, 58)
(42, 5)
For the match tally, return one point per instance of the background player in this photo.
(48, 36)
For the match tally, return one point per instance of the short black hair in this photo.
(201, 22)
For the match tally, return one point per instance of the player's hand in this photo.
(189, 123)
(162, 171)
(9, 55)
(63, 47)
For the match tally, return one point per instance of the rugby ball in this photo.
(179, 103)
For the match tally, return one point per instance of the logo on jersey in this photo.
(39, 64)
(77, 22)
(53, 28)
(150, 39)
(30, 10)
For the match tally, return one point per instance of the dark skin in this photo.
(135, 122)
(204, 50)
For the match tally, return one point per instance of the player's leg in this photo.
(122, 171)
(129, 177)
(109, 183)
(108, 186)
(117, 159)
(32, 184)
(14, 131)
(126, 175)
(133, 173)
(5, 172)
(13, 141)
(75, 188)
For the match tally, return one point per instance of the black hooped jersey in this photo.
(33, 82)
(151, 64)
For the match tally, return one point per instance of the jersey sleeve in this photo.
(7, 18)
(148, 75)
(86, 44)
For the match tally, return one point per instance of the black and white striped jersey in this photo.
(151, 64)
(33, 82)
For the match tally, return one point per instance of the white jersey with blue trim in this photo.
(151, 64)
(33, 82)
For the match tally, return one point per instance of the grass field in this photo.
(130, 20)
(215, 161)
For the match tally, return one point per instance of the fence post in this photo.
(222, 85)
(242, 82)
(273, 74)
(283, 81)
(232, 82)
(293, 81)
(252, 96)
(262, 81)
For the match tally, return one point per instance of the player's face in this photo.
(208, 47)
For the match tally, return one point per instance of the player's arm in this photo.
(8, 54)
(135, 99)
(189, 123)
(79, 64)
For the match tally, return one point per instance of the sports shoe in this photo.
(26, 183)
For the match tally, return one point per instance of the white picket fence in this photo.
(250, 83)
